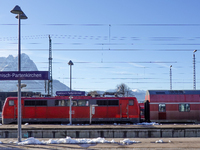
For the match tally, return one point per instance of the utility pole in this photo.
(194, 71)
(50, 82)
(170, 75)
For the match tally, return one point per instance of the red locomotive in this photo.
(160, 106)
(172, 106)
(56, 109)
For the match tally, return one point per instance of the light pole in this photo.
(194, 71)
(20, 15)
(70, 102)
(170, 74)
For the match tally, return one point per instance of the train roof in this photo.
(173, 92)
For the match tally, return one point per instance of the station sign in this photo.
(24, 75)
(70, 93)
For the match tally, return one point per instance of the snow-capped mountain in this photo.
(139, 94)
(11, 64)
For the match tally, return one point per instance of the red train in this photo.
(172, 106)
(56, 109)
(159, 106)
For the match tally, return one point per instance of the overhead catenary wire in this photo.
(99, 49)
(102, 24)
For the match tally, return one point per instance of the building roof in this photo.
(174, 92)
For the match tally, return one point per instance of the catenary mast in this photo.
(50, 82)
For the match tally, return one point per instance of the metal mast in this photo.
(50, 83)
(170, 74)
(194, 71)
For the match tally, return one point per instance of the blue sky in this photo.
(110, 41)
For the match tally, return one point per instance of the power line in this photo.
(101, 24)
(98, 49)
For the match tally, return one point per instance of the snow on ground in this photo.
(148, 123)
(69, 140)
(128, 142)
(159, 141)
(81, 142)
(30, 140)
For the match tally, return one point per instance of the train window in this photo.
(35, 103)
(29, 103)
(113, 102)
(41, 103)
(102, 102)
(67, 102)
(11, 103)
(142, 112)
(74, 103)
(82, 102)
(162, 108)
(131, 102)
(184, 107)
(60, 103)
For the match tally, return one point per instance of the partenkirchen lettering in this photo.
(26, 75)
(23, 75)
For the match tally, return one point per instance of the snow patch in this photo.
(159, 141)
(128, 142)
(29, 141)
(148, 123)
(69, 140)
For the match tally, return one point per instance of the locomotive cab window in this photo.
(11, 103)
(162, 108)
(131, 102)
(184, 107)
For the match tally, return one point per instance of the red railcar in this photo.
(56, 109)
(172, 106)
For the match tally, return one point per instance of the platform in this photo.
(106, 131)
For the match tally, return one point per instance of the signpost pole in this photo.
(70, 110)
(19, 85)
(20, 15)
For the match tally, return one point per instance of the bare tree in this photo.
(94, 94)
(124, 90)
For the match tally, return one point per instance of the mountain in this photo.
(139, 94)
(11, 64)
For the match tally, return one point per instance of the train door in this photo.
(13, 109)
(123, 108)
(162, 112)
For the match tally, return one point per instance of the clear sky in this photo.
(110, 41)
